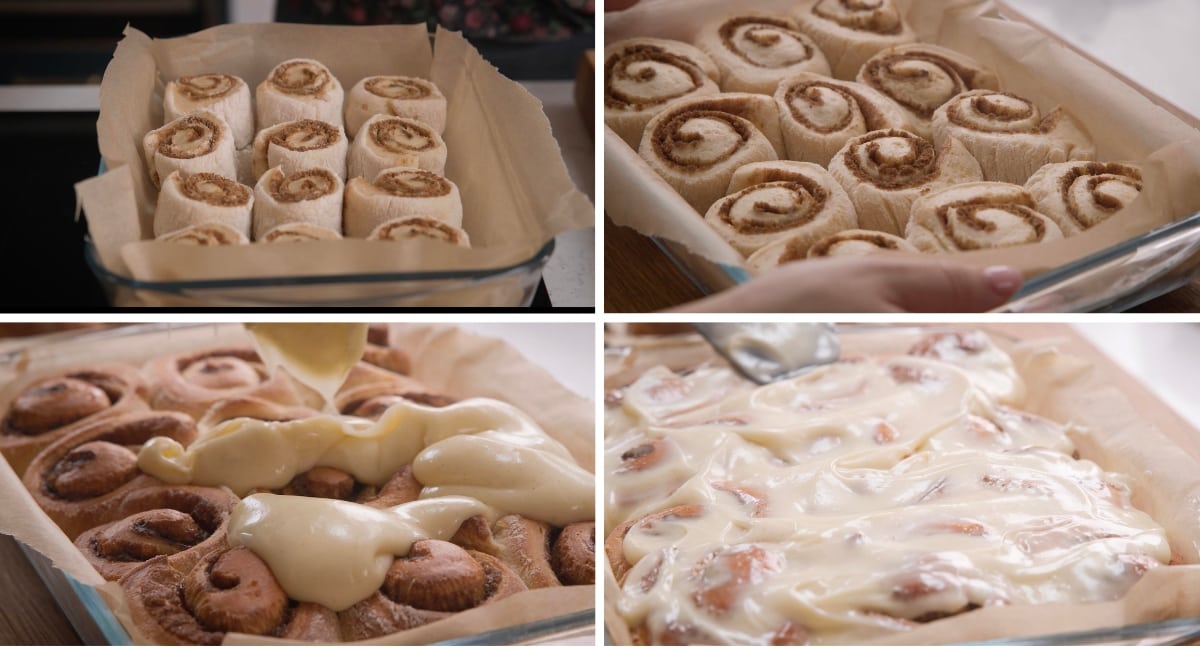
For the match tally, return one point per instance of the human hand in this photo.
(618, 5)
(868, 284)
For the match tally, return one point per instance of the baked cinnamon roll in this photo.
(399, 96)
(369, 390)
(755, 51)
(643, 75)
(386, 142)
(1081, 195)
(819, 115)
(312, 196)
(398, 193)
(299, 88)
(202, 199)
(193, 382)
(299, 146)
(223, 95)
(978, 215)
(200, 142)
(852, 31)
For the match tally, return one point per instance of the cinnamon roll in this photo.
(885, 171)
(53, 407)
(399, 96)
(299, 88)
(409, 227)
(202, 199)
(369, 390)
(223, 95)
(523, 544)
(696, 147)
(200, 142)
(249, 406)
(755, 51)
(193, 382)
(978, 215)
(299, 232)
(921, 77)
(300, 145)
(574, 554)
(643, 75)
(81, 479)
(852, 31)
(386, 142)
(1008, 135)
(380, 351)
(805, 207)
(851, 242)
(310, 196)
(819, 115)
(398, 193)
(1080, 195)
(209, 234)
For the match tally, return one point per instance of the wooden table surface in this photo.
(638, 277)
(28, 613)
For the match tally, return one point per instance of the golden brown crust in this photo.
(248, 406)
(574, 554)
(401, 488)
(193, 382)
(367, 382)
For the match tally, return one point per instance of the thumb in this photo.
(946, 287)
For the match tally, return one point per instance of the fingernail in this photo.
(1002, 279)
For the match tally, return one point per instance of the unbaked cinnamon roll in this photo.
(386, 142)
(311, 196)
(819, 115)
(224, 95)
(883, 172)
(200, 142)
(202, 199)
(299, 232)
(852, 31)
(399, 96)
(921, 77)
(978, 215)
(851, 242)
(209, 234)
(398, 193)
(410, 227)
(193, 382)
(1080, 195)
(755, 51)
(1008, 134)
(807, 206)
(643, 75)
(301, 145)
(299, 88)
(55, 406)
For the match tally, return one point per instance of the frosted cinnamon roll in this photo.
(1008, 134)
(200, 142)
(221, 94)
(299, 145)
(885, 171)
(410, 227)
(696, 147)
(399, 96)
(311, 196)
(299, 88)
(53, 407)
(299, 232)
(211, 234)
(193, 382)
(852, 31)
(755, 51)
(1080, 195)
(851, 242)
(921, 77)
(643, 75)
(978, 215)
(804, 208)
(397, 193)
(386, 142)
(200, 199)
(819, 115)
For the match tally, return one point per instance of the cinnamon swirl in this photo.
(755, 51)
(883, 172)
(224, 95)
(1008, 135)
(921, 77)
(386, 142)
(643, 75)
(851, 242)
(202, 199)
(193, 382)
(819, 115)
(978, 215)
(200, 142)
(852, 31)
(369, 390)
(299, 88)
(397, 193)
(299, 145)
(311, 196)
(399, 96)
(410, 227)
(299, 232)
(210, 234)
(1080, 195)
(805, 207)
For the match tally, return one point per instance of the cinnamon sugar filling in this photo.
(669, 136)
(419, 227)
(885, 72)
(617, 69)
(401, 136)
(206, 86)
(413, 183)
(1097, 174)
(826, 247)
(214, 189)
(305, 135)
(810, 94)
(965, 215)
(303, 185)
(874, 16)
(301, 78)
(808, 200)
(999, 112)
(870, 162)
(398, 87)
(763, 32)
(190, 137)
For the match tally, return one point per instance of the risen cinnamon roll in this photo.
(819, 115)
(311, 196)
(921, 77)
(410, 227)
(852, 31)
(1008, 135)
(299, 88)
(202, 199)
(755, 51)
(398, 193)
(193, 382)
(221, 94)
(200, 142)
(369, 390)
(386, 142)
(643, 75)
(851, 242)
(399, 96)
(301, 145)
(1081, 195)
(885, 171)
(978, 215)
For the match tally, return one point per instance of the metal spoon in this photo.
(770, 352)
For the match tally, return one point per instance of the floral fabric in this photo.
(501, 20)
